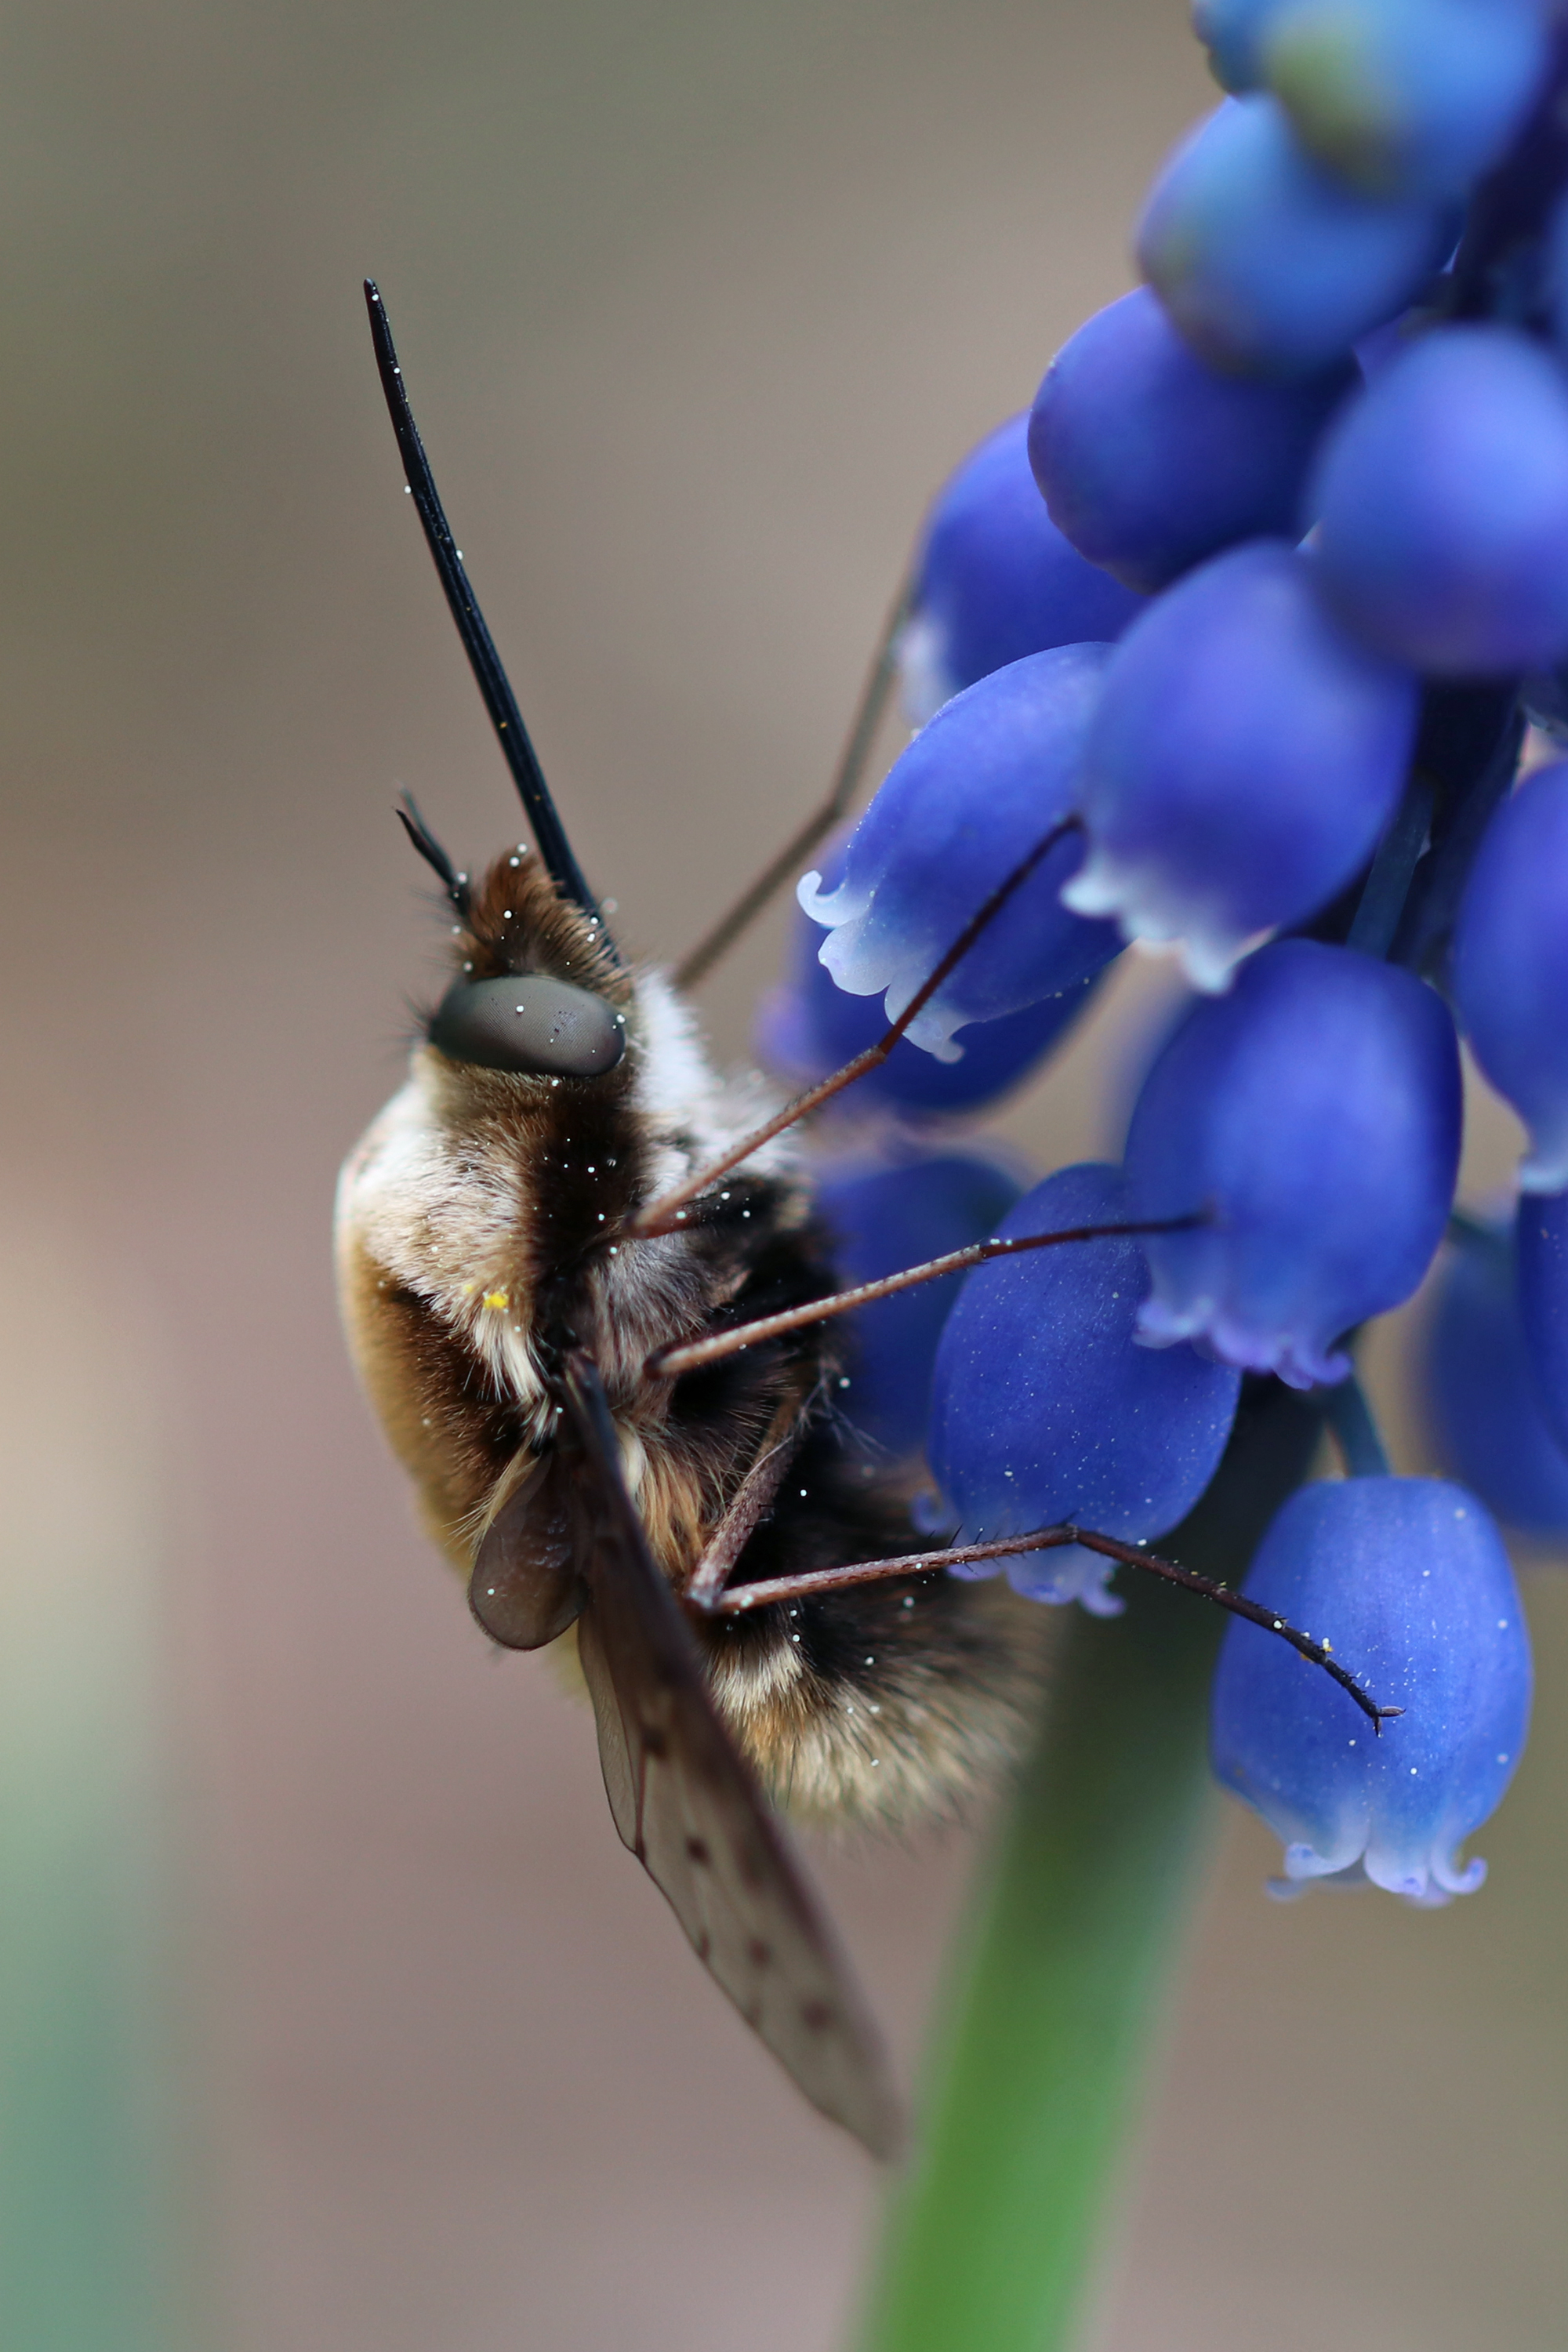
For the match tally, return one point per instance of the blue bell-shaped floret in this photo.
(885, 1219)
(1479, 1390)
(1044, 1410)
(1151, 460)
(1407, 1580)
(1541, 1240)
(1267, 262)
(1510, 967)
(809, 1026)
(995, 580)
(1244, 756)
(1311, 1119)
(974, 793)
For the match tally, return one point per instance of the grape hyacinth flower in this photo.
(1412, 1577)
(1442, 504)
(1312, 1117)
(1244, 758)
(1151, 460)
(1267, 262)
(1510, 967)
(995, 579)
(889, 1217)
(1479, 1388)
(1329, 438)
(976, 792)
(1043, 1409)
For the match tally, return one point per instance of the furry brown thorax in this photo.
(482, 1234)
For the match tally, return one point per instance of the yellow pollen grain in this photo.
(498, 1298)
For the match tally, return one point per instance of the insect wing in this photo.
(687, 1804)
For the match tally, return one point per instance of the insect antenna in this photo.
(494, 688)
(666, 1214)
(455, 884)
(853, 762)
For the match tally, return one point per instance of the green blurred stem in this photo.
(992, 2237)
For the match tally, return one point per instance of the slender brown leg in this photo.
(853, 761)
(742, 1597)
(755, 1492)
(667, 1363)
(666, 1215)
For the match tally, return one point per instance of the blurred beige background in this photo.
(697, 303)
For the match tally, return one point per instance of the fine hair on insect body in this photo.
(591, 1300)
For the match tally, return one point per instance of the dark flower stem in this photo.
(1354, 1432)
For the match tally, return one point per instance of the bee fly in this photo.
(586, 1292)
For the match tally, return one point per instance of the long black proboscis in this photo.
(498, 698)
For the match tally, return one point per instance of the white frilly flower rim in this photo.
(896, 973)
(1152, 914)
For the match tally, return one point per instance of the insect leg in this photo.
(755, 1492)
(668, 1362)
(666, 1215)
(853, 762)
(743, 1597)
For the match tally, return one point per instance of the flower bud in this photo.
(1265, 261)
(1311, 1119)
(1443, 507)
(959, 812)
(1510, 966)
(1404, 98)
(995, 580)
(1151, 460)
(1245, 754)
(1407, 1580)
(1044, 1410)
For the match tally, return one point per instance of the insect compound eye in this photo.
(529, 1023)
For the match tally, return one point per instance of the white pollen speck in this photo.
(1502, 1624)
(513, 861)
(803, 1494)
(794, 1637)
(870, 1662)
(875, 1761)
(909, 1601)
(1279, 1625)
(872, 1706)
(601, 1216)
(1412, 1772)
(1502, 1759)
(555, 1081)
(1352, 1743)
(506, 916)
(614, 1251)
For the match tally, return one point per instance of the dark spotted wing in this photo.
(689, 1807)
(525, 1589)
